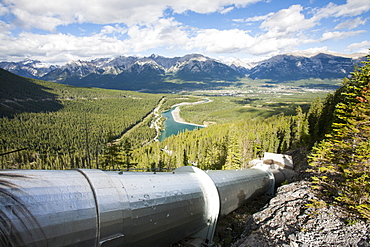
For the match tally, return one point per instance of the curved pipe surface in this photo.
(235, 187)
(96, 208)
(46, 208)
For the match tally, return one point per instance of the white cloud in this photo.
(350, 24)
(4, 28)
(47, 15)
(340, 35)
(205, 6)
(56, 47)
(239, 41)
(258, 18)
(59, 48)
(226, 10)
(359, 47)
(238, 20)
(166, 32)
(113, 29)
(3, 10)
(287, 21)
(273, 46)
(222, 41)
(350, 8)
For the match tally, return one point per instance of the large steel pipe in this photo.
(235, 187)
(96, 208)
(43, 208)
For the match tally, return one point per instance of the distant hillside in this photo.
(195, 71)
(153, 74)
(290, 67)
(20, 94)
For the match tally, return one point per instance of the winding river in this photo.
(171, 127)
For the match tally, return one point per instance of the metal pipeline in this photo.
(95, 208)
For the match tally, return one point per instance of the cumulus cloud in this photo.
(55, 47)
(288, 21)
(59, 48)
(289, 28)
(236, 40)
(222, 41)
(113, 29)
(166, 32)
(47, 15)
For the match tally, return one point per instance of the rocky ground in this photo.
(296, 217)
(293, 217)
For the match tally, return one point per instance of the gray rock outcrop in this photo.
(296, 217)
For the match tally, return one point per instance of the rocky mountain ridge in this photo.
(123, 71)
(290, 67)
(28, 68)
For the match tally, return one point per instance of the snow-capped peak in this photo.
(150, 62)
(240, 63)
(28, 61)
(199, 58)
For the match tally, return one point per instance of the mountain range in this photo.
(158, 73)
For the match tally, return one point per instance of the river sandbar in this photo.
(176, 117)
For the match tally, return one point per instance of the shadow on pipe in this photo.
(13, 205)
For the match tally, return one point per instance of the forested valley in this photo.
(85, 128)
(88, 129)
(62, 127)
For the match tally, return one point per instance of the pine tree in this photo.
(313, 117)
(127, 153)
(111, 157)
(185, 160)
(233, 154)
(343, 158)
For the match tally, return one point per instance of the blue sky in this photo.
(62, 30)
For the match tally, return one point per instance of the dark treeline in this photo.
(47, 125)
(72, 135)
